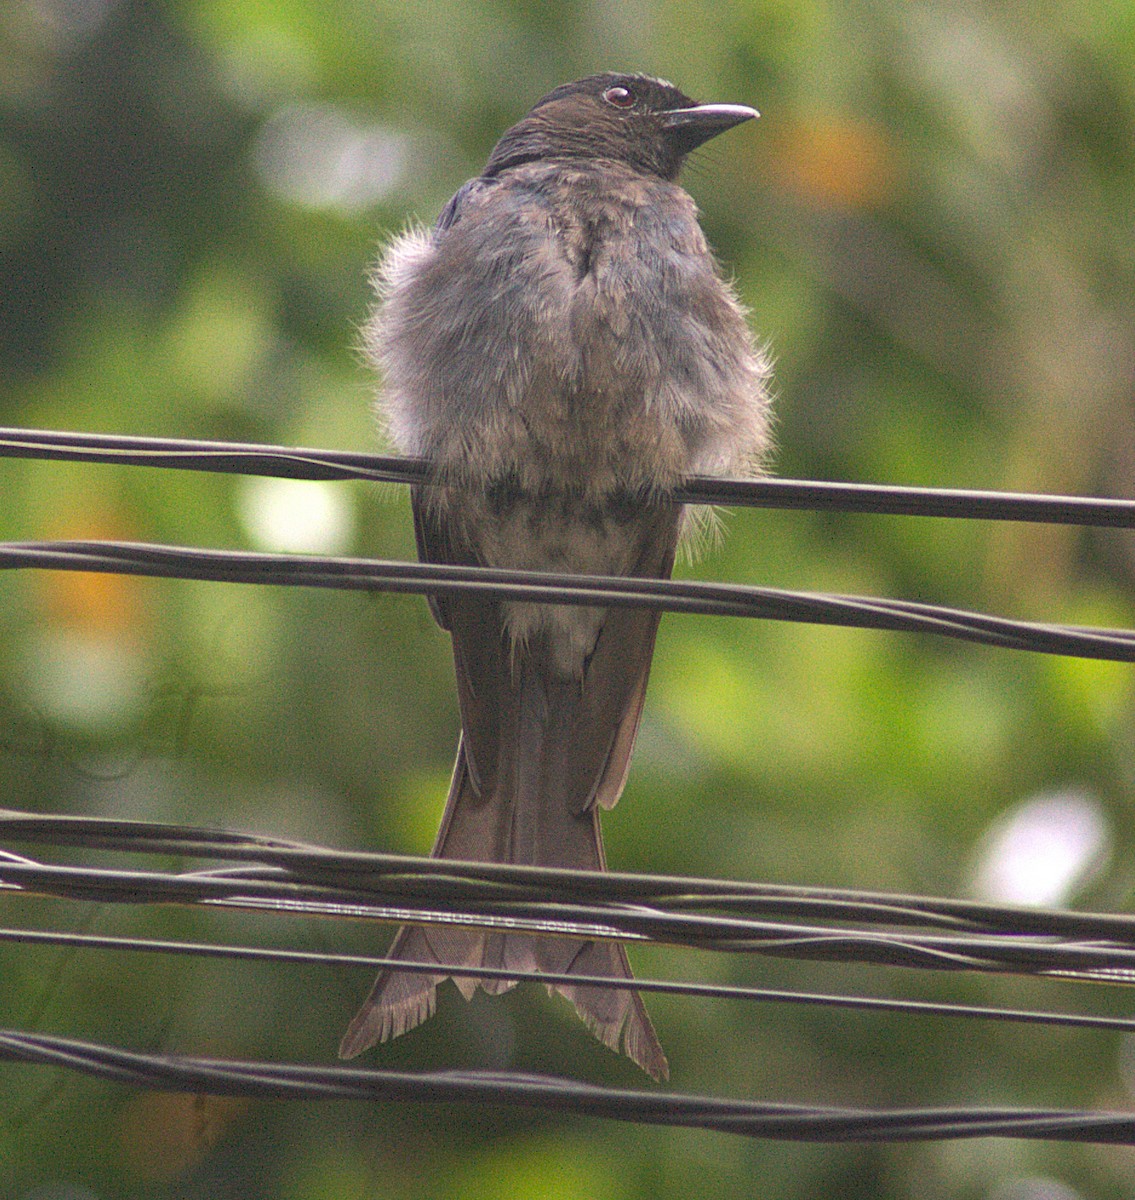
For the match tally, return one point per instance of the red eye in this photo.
(620, 97)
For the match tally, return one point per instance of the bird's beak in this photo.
(688, 128)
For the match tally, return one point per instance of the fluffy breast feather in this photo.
(568, 329)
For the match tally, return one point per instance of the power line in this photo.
(438, 879)
(669, 595)
(686, 988)
(749, 1118)
(300, 463)
(291, 878)
(729, 916)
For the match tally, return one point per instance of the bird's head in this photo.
(645, 123)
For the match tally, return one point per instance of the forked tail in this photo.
(531, 815)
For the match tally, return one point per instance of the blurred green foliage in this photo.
(932, 225)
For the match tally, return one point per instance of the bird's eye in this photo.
(620, 97)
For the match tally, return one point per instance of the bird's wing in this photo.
(615, 679)
(608, 707)
(603, 710)
(452, 211)
(480, 652)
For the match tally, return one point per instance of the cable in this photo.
(313, 882)
(433, 879)
(1018, 954)
(299, 463)
(686, 988)
(292, 877)
(749, 1118)
(669, 595)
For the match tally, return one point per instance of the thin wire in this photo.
(685, 988)
(301, 463)
(669, 595)
(187, 454)
(785, 1122)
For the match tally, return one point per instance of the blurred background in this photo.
(932, 226)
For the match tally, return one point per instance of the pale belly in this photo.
(559, 532)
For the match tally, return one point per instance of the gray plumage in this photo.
(563, 350)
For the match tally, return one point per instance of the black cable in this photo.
(279, 871)
(669, 595)
(749, 1118)
(1020, 954)
(675, 596)
(1085, 946)
(187, 454)
(406, 877)
(300, 463)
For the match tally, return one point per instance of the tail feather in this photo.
(617, 1018)
(400, 1000)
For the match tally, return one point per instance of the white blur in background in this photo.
(89, 682)
(1043, 850)
(319, 156)
(1035, 1187)
(295, 516)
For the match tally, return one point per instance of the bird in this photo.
(563, 350)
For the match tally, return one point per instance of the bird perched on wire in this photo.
(562, 351)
